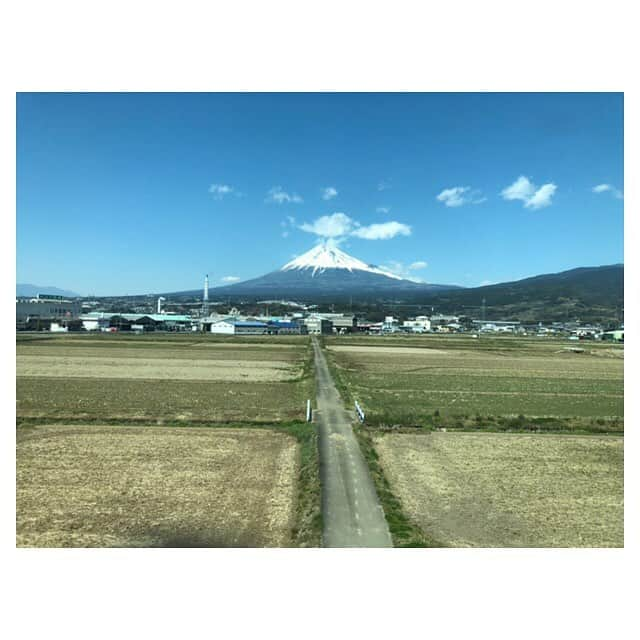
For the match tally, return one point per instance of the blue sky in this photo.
(135, 193)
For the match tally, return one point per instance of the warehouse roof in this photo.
(156, 317)
(167, 317)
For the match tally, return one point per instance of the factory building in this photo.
(232, 326)
(280, 327)
(100, 321)
(316, 325)
(390, 325)
(420, 324)
(91, 322)
(38, 313)
(344, 323)
(441, 321)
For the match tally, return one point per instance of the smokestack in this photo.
(205, 297)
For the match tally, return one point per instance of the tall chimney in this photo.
(205, 297)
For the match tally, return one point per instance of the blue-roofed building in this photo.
(281, 327)
(232, 326)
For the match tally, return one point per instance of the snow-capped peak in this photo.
(323, 257)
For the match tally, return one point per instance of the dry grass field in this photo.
(163, 380)
(406, 381)
(110, 486)
(508, 490)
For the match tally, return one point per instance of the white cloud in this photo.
(339, 226)
(382, 231)
(287, 224)
(277, 195)
(521, 189)
(403, 270)
(453, 197)
(383, 185)
(542, 197)
(457, 196)
(230, 279)
(603, 188)
(329, 193)
(533, 197)
(219, 191)
(333, 226)
(383, 210)
(417, 265)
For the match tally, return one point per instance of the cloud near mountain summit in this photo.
(339, 226)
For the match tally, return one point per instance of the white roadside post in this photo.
(309, 414)
(359, 411)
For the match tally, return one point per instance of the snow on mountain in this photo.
(323, 257)
(327, 273)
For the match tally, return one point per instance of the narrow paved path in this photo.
(352, 514)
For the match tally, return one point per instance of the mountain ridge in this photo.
(26, 290)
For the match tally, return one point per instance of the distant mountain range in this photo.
(590, 293)
(326, 274)
(32, 290)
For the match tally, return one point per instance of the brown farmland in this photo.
(509, 490)
(110, 486)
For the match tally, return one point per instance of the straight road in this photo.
(351, 511)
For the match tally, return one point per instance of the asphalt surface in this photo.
(351, 511)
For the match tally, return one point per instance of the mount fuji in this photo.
(326, 271)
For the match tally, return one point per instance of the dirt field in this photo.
(161, 380)
(399, 382)
(54, 366)
(109, 486)
(509, 490)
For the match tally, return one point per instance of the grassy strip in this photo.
(403, 532)
(307, 530)
(495, 424)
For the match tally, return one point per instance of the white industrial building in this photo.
(420, 324)
(390, 325)
(441, 320)
(46, 307)
(317, 325)
(232, 326)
